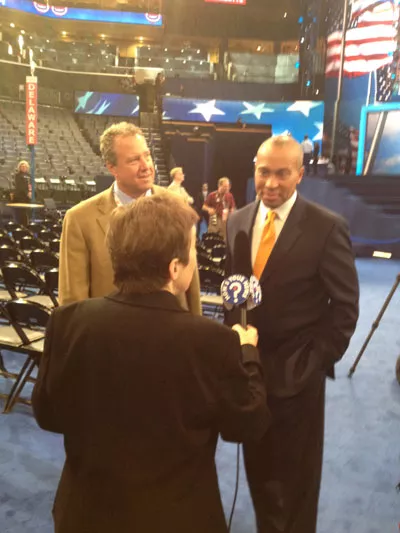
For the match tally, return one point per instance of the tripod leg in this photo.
(375, 326)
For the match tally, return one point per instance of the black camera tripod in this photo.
(375, 325)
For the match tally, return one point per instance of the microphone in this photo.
(241, 289)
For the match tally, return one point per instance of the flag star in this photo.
(83, 100)
(303, 106)
(207, 109)
(320, 127)
(257, 110)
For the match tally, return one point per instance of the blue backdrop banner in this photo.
(76, 13)
(297, 118)
(94, 103)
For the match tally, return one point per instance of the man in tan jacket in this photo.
(85, 264)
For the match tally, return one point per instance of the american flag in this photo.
(371, 37)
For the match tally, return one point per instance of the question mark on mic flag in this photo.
(235, 290)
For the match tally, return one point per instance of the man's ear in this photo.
(111, 169)
(174, 269)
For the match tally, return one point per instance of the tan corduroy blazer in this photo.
(85, 264)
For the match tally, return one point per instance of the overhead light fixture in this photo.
(165, 49)
(198, 51)
(182, 51)
(382, 255)
(30, 37)
(102, 36)
(47, 41)
(12, 25)
(23, 32)
(285, 15)
(259, 48)
(141, 39)
(64, 33)
(167, 60)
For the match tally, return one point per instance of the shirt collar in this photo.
(282, 211)
(122, 198)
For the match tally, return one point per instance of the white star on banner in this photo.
(207, 109)
(303, 106)
(320, 126)
(256, 110)
(83, 100)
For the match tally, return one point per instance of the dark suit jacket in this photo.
(140, 389)
(310, 294)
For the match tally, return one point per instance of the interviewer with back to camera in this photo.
(140, 387)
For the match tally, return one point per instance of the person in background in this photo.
(219, 205)
(303, 257)
(315, 158)
(199, 203)
(22, 191)
(144, 460)
(307, 147)
(85, 264)
(178, 177)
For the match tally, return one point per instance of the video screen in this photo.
(383, 137)
(95, 103)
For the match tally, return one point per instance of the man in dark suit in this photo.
(302, 255)
(140, 387)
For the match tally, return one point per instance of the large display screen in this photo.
(379, 140)
(94, 103)
(75, 13)
(297, 118)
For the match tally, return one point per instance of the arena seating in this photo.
(62, 150)
(248, 67)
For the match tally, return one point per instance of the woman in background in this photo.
(22, 191)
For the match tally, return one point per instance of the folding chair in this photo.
(55, 246)
(30, 243)
(43, 260)
(210, 284)
(20, 277)
(26, 336)
(51, 278)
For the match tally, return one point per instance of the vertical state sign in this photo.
(31, 121)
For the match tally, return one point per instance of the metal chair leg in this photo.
(19, 383)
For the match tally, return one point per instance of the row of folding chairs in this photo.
(22, 331)
(26, 301)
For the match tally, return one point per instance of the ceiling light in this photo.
(12, 25)
(47, 41)
(102, 36)
(198, 51)
(30, 37)
(165, 49)
(23, 32)
(64, 33)
(141, 39)
(182, 51)
(259, 48)
(285, 15)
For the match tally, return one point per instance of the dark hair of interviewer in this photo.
(144, 237)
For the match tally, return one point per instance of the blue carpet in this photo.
(361, 461)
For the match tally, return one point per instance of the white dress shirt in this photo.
(281, 214)
(122, 198)
(307, 146)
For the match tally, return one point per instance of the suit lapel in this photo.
(105, 206)
(289, 235)
(246, 225)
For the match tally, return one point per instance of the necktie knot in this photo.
(271, 215)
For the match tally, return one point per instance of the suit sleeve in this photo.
(74, 262)
(242, 405)
(41, 400)
(339, 276)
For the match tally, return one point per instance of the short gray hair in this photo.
(122, 129)
(175, 171)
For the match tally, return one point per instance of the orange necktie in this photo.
(267, 243)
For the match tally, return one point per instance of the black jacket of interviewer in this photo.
(140, 389)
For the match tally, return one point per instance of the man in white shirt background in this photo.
(308, 148)
(178, 177)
